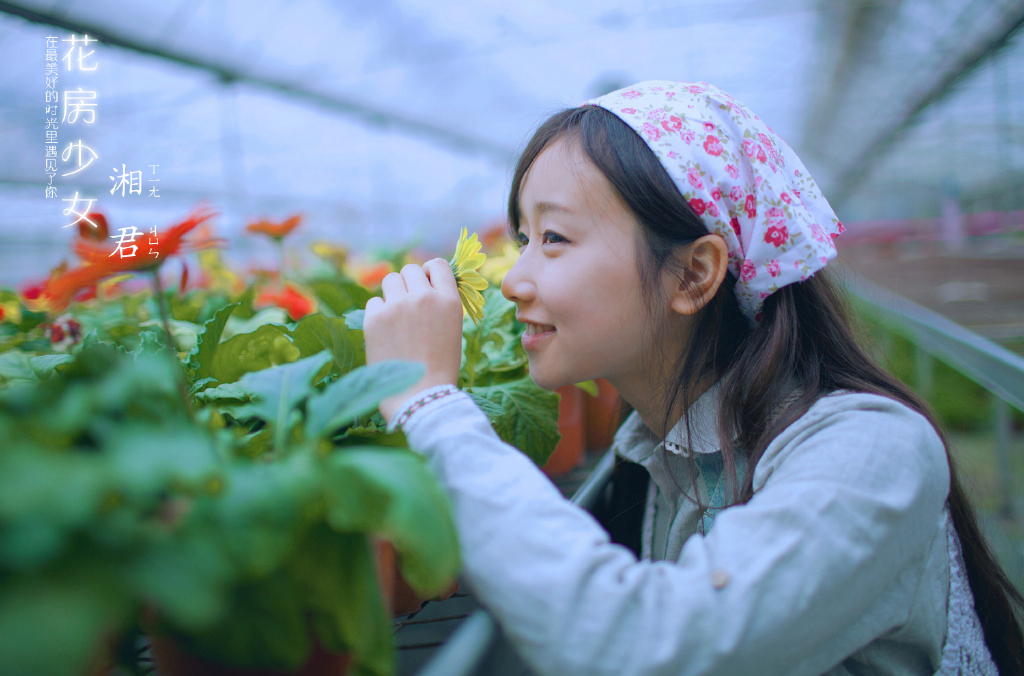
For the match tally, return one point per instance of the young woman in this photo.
(801, 514)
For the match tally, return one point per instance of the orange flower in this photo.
(57, 291)
(371, 276)
(99, 232)
(149, 254)
(99, 262)
(275, 231)
(296, 303)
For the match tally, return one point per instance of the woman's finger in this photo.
(393, 285)
(415, 278)
(439, 272)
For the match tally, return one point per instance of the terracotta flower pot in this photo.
(403, 598)
(602, 416)
(171, 660)
(569, 451)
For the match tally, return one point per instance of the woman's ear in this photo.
(704, 263)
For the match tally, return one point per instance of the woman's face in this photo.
(576, 285)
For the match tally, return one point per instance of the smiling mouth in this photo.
(536, 329)
(535, 336)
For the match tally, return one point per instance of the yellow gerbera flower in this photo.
(464, 266)
(497, 266)
(334, 254)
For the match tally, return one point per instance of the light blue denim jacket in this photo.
(839, 564)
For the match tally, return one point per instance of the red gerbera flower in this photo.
(296, 303)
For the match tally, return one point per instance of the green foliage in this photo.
(492, 350)
(268, 345)
(959, 402)
(96, 452)
(495, 372)
(208, 488)
(411, 514)
(201, 360)
(527, 421)
(357, 394)
(340, 296)
(317, 332)
(234, 487)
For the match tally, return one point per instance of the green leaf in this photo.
(263, 509)
(56, 488)
(185, 334)
(53, 624)
(356, 502)
(246, 300)
(197, 386)
(490, 409)
(264, 628)
(416, 516)
(492, 348)
(145, 460)
(340, 297)
(358, 393)
(148, 375)
(188, 308)
(317, 332)
(370, 433)
(276, 392)
(268, 345)
(30, 543)
(237, 325)
(201, 361)
(44, 366)
(16, 367)
(149, 342)
(335, 575)
(228, 393)
(530, 421)
(354, 319)
(588, 386)
(185, 577)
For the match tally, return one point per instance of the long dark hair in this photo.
(804, 343)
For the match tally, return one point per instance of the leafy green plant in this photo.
(494, 371)
(227, 492)
(98, 464)
(235, 519)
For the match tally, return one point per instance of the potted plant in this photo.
(98, 459)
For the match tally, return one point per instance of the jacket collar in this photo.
(635, 441)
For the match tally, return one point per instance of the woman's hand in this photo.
(419, 319)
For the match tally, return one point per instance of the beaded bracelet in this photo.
(432, 394)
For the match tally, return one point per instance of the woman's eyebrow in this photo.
(545, 207)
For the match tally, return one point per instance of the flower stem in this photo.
(165, 317)
(280, 257)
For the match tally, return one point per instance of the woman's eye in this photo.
(521, 240)
(553, 238)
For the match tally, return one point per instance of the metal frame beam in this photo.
(851, 177)
(364, 112)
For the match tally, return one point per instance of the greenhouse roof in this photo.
(397, 122)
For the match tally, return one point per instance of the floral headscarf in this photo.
(743, 181)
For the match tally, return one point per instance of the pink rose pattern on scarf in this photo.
(743, 181)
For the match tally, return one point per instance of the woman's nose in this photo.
(518, 284)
